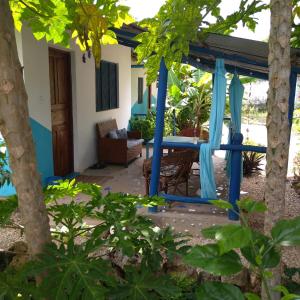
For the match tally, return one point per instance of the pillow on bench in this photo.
(122, 133)
(113, 134)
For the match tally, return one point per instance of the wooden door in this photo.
(61, 111)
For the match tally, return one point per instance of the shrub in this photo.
(146, 125)
(126, 256)
(252, 160)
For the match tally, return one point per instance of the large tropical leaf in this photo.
(218, 291)
(71, 273)
(208, 258)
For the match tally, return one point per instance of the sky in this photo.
(141, 9)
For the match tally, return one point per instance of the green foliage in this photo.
(124, 255)
(252, 160)
(146, 125)
(219, 290)
(5, 175)
(261, 252)
(210, 259)
(59, 21)
(189, 93)
(72, 273)
(83, 264)
(295, 42)
(177, 24)
(290, 279)
(7, 207)
(145, 285)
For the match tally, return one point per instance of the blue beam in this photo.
(186, 199)
(235, 177)
(209, 67)
(232, 57)
(121, 33)
(233, 147)
(293, 86)
(159, 129)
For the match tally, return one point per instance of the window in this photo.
(107, 86)
(140, 89)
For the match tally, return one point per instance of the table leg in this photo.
(147, 150)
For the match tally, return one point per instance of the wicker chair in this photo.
(117, 151)
(174, 170)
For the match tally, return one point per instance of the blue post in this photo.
(235, 176)
(174, 122)
(159, 129)
(293, 86)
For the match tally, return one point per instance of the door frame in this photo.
(69, 55)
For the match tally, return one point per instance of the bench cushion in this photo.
(133, 143)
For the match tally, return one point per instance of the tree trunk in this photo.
(277, 119)
(15, 128)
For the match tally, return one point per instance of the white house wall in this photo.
(85, 101)
(36, 75)
(34, 56)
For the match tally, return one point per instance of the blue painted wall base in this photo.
(42, 137)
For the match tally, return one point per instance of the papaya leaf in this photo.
(217, 291)
(221, 204)
(251, 296)
(71, 273)
(287, 232)
(145, 285)
(208, 258)
(210, 232)
(262, 253)
(251, 206)
(232, 237)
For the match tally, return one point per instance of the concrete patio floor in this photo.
(185, 218)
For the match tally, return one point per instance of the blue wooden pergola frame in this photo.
(236, 147)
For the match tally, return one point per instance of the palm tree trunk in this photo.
(277, 119)
(15, 128)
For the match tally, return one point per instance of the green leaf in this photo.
(71, 273)
(262, 252)
(221, 204)
(251, 296)
(210, 232)
(218, 291)
(208, 258)
(287, 232)
(233, 236)
(251, 206)
(286, 294)
(143, 284)
(7, 207)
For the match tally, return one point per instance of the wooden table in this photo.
(175, 139)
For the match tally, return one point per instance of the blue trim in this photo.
(159, 128)
(141, 109)
(42, 138)
(293, 86)
(186, 199)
